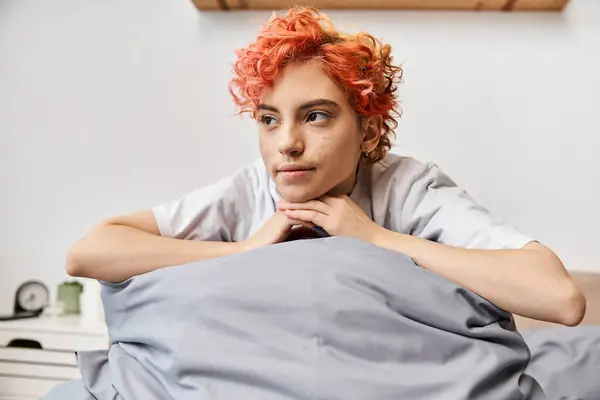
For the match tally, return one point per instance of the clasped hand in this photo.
(338, 215)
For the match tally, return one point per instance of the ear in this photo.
(371, 132)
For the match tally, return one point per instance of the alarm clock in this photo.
(30, 300)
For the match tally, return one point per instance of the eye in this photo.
(317, 116)
(268, 120)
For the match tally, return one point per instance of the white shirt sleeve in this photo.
(436, 209)
(221, 211)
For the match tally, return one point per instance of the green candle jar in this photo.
(68, 297)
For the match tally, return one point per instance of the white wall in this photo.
(112, 106)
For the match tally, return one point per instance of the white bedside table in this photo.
(30, 373)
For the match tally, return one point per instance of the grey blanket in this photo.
(333, 318)
(566, 361)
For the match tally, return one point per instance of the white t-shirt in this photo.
(399, 193)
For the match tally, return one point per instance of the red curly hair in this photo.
(360, 64)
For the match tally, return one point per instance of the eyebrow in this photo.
(303, 106)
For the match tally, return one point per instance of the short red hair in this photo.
(359, 63)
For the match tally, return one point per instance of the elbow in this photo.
(74, 264)
(573, 306)
(569, 301)
(82, 254)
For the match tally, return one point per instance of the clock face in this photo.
(33, 296)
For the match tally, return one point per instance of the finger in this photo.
(314, 205)
(297, 222)
(286, 223)
(306, 215)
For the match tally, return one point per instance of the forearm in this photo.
(530, 283)
(114, 253)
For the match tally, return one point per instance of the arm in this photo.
(190, 228)
(531, 282)
(444, 230)
(456, 237)
(209, 222)
(122, 247)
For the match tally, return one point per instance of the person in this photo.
(326, 109)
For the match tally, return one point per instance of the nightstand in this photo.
(38, 353)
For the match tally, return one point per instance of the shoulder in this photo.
(238, 189)
(402, 185)
(402, 171)
(249, 179)
(224, 210)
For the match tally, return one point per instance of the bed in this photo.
(565, 360)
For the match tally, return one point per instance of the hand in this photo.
(338, 215)
(276, 230)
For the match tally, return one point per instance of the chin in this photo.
(300, 194)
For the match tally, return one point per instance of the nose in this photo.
(291, 142)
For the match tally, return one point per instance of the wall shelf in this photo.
(458, 5)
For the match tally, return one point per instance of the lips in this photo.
(294, 168)
(295, 172)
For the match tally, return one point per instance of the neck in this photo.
(346, 186)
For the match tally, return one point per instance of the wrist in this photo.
(203, 250)
(378, 235)
(388, 239)
(240, 247)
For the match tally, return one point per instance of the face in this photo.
(310, 138)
